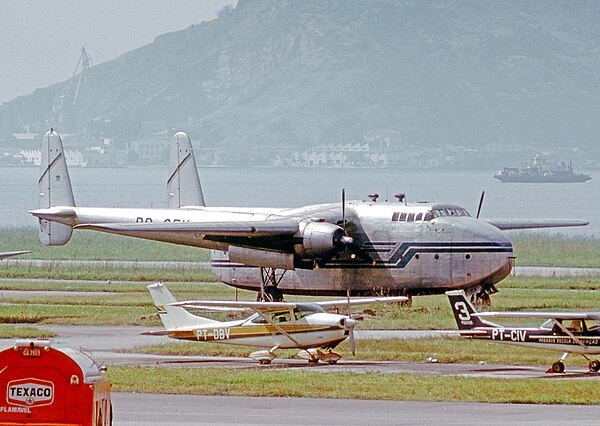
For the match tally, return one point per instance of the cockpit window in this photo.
(450, 212)
(309, 308)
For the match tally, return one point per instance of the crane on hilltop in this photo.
(83, 65)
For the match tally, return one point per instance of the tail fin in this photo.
(55, 189)
(183, 185)
(464, 311)
(173, 317)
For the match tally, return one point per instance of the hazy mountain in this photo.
(308, 72)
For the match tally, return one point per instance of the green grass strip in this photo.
(283, 383)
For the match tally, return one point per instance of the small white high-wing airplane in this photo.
(273, 325)
(352, 247)
(566, 332)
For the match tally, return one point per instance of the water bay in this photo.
(290, 187)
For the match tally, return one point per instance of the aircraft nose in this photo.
(348, 323)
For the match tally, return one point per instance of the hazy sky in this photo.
(41, 40)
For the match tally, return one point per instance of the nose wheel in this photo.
(594, 366)
(558, 367)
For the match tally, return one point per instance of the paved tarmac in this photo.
(145, 409)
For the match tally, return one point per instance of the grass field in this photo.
(124, 303)
(282, 383)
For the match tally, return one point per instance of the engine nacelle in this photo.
(262, 258)
(318, 239)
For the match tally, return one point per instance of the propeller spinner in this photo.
(345, 242)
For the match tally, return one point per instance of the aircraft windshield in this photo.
(308, 308)
(450, 212)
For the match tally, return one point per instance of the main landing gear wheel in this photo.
(594, 366)
(558, 367)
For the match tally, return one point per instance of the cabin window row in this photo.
(412, 217)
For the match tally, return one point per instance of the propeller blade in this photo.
(348, 297)
(480, 204)
(344, 209)
(349, 324)
(352, 341)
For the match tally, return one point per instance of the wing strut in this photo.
(281, 330)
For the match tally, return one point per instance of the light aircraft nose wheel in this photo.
(594, 365)
(558, 367)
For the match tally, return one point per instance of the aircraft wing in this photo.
(543, 315)
(263, 228)
(345, 302)
(261, 307)
(271, 307)
(13, 253)
(508, 224)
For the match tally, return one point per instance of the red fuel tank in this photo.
(42, 384)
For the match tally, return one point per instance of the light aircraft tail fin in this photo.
(173, 317)
(55, 189)
(465, 313)
(183, 185)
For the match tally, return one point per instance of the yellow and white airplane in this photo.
(272, 326)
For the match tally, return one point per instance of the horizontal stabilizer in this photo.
(13, 253)
(508, 224)
(155, 333)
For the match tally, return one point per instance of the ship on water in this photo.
(540, 171)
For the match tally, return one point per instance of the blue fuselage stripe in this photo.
(402, 254)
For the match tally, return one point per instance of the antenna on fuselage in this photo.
(480, 204)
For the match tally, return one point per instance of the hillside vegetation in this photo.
(319, 71)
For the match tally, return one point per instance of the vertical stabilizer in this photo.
(464, 311)
(55, 189)
(173, 317)
(183, 185)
